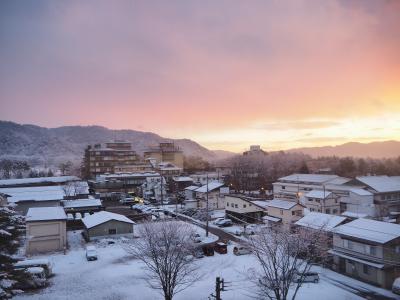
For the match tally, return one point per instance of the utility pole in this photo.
(219, 287)
(162, 195)
(207, 207)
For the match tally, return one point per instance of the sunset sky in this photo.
(226, 74)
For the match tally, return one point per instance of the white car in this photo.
(241, 250)
(224, 223)
(218, 220)
(396, 286)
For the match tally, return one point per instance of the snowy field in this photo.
(115, 275)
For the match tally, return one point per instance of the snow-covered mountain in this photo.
(51, 146)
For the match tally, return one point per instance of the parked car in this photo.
(91, 253)
(307, 277)
(218, 220)
(43, 263)
(224, 223)
(241, 250)
(221, 248)
(127, 200)
(396, 286)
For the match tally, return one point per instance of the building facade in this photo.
(100, 159)
(165, 152)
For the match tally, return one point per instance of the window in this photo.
(328, 211)
(227, 204)
(397, 249)
(112, 231)
(236, 206)
(244, 205)
(334, 211)
(283, 187)
(231, 204)
(281, 211)
(293, 213)
(372, 250)
(365, 269)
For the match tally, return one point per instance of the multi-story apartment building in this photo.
(385, 191)
(322, 201)
(165, 152)
(283, 214)
(368, 250)
(100, 159)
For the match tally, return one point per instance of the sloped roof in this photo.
(37, 180)
(102, 217)
(318, 194)
(283, 204)
(81, 203)
(381, 184)
(211, 186)
(316, 220)
(34, 193)
(45, 214)
(361, 192)
(192, 188)
(370, 230)
(313, 178)
(183, 179)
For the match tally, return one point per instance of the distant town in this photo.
(340, 233)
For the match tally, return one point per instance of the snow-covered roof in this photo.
(282, 204)
(81, 203)
(370, 230)
(37, 180)
(211, 186)
(34, 193)
(352, 214)
(102, 217)
(318, 194)
(183, 179)
(311, 178)
(316, 220)
(45, 214)
(381, 184)
(361, 192)
(261, 203)
(192, 188)
(272, 219)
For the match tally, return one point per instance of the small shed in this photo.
(106, 224)
(46, 229)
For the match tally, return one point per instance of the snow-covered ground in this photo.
(115, 275)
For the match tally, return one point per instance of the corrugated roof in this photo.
(281, 204)
(313, 178)
(381, 183)
(34, 193)
(45, 214)
(318, 194)
(370, 230)
(22, 181)
(81, 203)
(316, 220)
(102, 217)
(211, 186)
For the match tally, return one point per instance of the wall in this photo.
(102, 229)
(45, 236)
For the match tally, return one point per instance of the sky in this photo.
(227, 74)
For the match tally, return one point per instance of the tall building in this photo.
(165, 152)
(100, 159)
(255, 150)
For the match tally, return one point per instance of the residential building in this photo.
(139, 166)
(108, 184)
(283, 214)
(168, 170)
(165, 152)
(203, 178)
(245, 208)
(101, 159)
(82, 206)
(368, 250)
(385, 191)
(213, 191)
(104, 223)
(154, 189)
(190, 201)
(322, 201)
(295, 186)
(45, 230)
(24, 198)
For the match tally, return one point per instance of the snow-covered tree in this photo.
(165, 248)
(11, 228)
(284, 259)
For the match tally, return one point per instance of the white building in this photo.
(215, 192)
(201, 179)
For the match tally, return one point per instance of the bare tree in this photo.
(166, 249)
(285, 259)
(73, 188)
